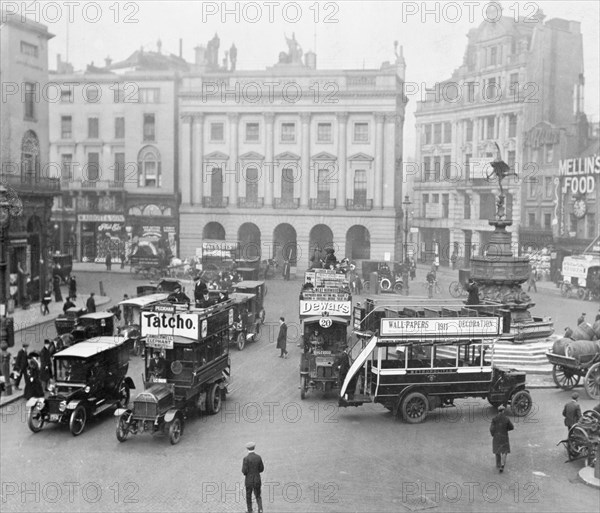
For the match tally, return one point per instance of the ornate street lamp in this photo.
(405, 206)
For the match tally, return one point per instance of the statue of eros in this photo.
(500, 169)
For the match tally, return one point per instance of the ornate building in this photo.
(291, 158)
(26, 169)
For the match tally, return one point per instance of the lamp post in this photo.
(405, 206)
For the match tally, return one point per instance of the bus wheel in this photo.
(414, 407)
(214, 399)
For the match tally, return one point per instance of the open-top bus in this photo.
(421, 357)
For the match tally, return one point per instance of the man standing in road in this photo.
(21, 364)
(90, 304)
(108, 261)
(252, 466)
(531, 282)
(572, 411)
(473, 291)
(499, 429)
(282, 338)
(581, 320)
(73, 287)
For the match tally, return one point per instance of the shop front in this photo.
(100, 234)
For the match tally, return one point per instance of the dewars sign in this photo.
(579, 175)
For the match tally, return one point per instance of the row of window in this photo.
(583, 227)
(129, 93)
(93, 128)
(487, 206)
(544, 187)
(441, 167)
(441, 133)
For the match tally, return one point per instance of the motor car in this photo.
(94, 325)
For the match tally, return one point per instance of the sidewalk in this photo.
(92, 267)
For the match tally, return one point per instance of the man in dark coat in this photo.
(68, 304)
(499, 429)
(45, 364)
(73, 287)
(581, 320)
(252, 466)
(33, 385)
(56, 287)
(108, 261)
(90, 304)
(282, 338)
(178, 296)
(473, 291)
(199, 290)
(158, 366)
(21, 363)
(572, 411)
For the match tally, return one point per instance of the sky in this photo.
(344, 34)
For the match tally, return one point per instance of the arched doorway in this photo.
(321, 237)
(284, 244)
(30, 157)
(249, 237)
(213, 231)
(358, 243)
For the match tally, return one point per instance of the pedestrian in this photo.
(286, 270)
(572, 411)
(73, 287)
(413, 268)
(108, 260)
(473, 291)
(597, 316)
(531, 282)
(90, 304)
(20, 364)
(499, 429)
(45, 364)
(123, 259)
(252, 466)
(282, 338)
(45, 302)
(581, 320)
(56, 285)
(68, 304)
(33, 385)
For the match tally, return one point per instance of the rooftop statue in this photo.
(294, 54)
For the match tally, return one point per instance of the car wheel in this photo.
(35, 420)
(214, 399)
(366, 287)
(303, 387)
(521, 403)
(415, 407)
(398, 286)
(122, 428)
(78, 420)
(123, 394)
(175, 431)
(241, 341)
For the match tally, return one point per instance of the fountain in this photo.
(499, 274)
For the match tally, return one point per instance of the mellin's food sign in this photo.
(579, 174)
(160, 323)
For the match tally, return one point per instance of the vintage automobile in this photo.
(66, 322)
(389, 278)
(131, 310)
(325, 314)
(91, 377)
(247, 320)
(423, 357)
(189, 370)
(581, 273)
(259, 289)
(62, 266)
(95, 324)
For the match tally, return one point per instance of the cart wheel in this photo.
(564, 377)
(415, 407)
(241, 340)
(35, 419)
(521, 403)
(578, 443)
(122, 428)
(214, 399)
(366, 287)
(303, 387)
(123, 394)
(398, 287)
(175, 431)
(77, 421)
(455, 289)
(592, 381)
(580, 293)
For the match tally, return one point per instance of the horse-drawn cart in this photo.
(584, 437)
(567, 371)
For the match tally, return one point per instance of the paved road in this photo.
(318, 458)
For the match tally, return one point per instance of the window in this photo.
(30, 92)
(469, 130)
(119, 128)
(66, 127)
(490, 126)
(149, 127)
(149, 172)
(437, 133)
(445, 205)
(217, 131)
(427, 134)
(29, 49)
(361, 132)
(425, 202)
(532, 189)
(66, 166)
(252, 132)
(149, 95)
(437, 168)
(324, 132)
(93, 128)
(548, 186)
(471, 91)
(252, 185)
(323, 186)
(447, 169)
(93, 167)
(427, 176)
(510, 159)
(92, 93)
(435, 198)
(118, 95)
(493, 55)
(467, 207)
(216, 185)
(514, 81)
(547, 221)
(288, 132)
(287, 185)
(531, 219)
(447, 132)
(66, 96)
(549, 153)
(487, 206)
(512, 125)
(120, 167)
(468, 166)
(592, 228)
(360, 187)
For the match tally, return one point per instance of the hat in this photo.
(47, 341)
(250, 446)
(501, 407)
(574, 395)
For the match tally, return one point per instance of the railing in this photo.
(251, 202)
(317, 204)
(91, 184)
(31, 182)
(215, 202)
(366, 204)
(286, 202)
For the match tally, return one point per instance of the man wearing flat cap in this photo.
(252, 466)
(572, 411)
(499, 429)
